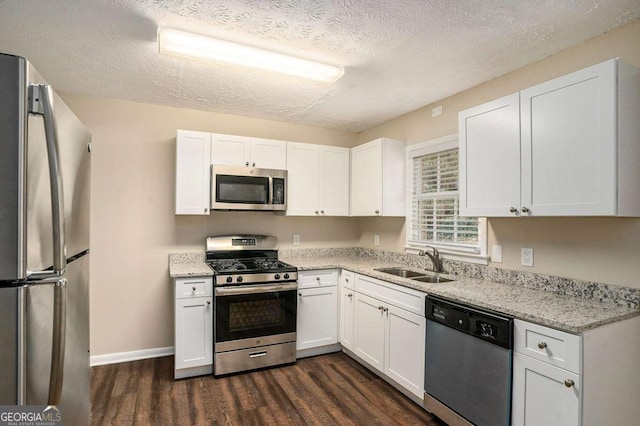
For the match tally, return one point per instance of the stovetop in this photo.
(256, 265)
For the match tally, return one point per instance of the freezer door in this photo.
(38, 323)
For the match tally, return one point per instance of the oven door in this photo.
(254, 311)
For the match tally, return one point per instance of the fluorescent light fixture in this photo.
(181, 43)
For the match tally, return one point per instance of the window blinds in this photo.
(434, 205)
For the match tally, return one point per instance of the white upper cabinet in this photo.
(318, 180)
(567, 147)
(231, 150)
(378, 178)
(193, 161)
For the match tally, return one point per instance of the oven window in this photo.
(242, 189)
(255, 315)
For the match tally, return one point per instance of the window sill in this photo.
(448, 254)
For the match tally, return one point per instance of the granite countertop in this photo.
(566, 313)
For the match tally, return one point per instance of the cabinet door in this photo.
(366, 179)
(347, 310)
(369, 330)
(193, 332)
(569, 144)
(193, 153)
(404, 349)
(334, 184)
(490, 158)
(540, 396)
(303, 181)
(230, 150)
(268, 154)
(317, 317)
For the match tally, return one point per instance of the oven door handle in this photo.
(253, 289)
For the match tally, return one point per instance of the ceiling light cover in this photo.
(190, 45)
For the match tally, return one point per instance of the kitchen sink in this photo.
(416, 276)
(400, 272)
(432, 279)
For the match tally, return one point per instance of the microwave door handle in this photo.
(270, 190)
(41, 103)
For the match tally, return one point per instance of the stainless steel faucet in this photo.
(435, 258)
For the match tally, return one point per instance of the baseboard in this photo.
(130, 356)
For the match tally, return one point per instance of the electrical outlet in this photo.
(376, 240)
(526, 256)
(296, 239)
(437, 111)
(496, 254)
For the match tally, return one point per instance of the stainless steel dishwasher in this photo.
(467, 364)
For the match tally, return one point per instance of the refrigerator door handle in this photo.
(58, 340)
(40, 102)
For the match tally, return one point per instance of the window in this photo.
(433, 200)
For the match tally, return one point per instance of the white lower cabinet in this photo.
(387, 337)
(193, 327)
(317, 309)
(347, 305)
(543, 397)
(565, 379)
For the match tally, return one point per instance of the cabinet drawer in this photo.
(401, 297)
(546, 344)
(347, 279)
(193, 287)
(320, 278)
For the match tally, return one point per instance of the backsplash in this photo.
(606, 293)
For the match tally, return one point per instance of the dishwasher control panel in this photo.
(485, 325)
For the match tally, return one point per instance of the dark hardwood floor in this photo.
(324, 390)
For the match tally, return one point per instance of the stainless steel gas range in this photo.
(255, 303)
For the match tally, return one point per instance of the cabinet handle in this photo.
(253, 164)
(569, 383)
(380, 308)
(300, 294)
(193, 288)
(346, 279)
(322, 211)
(377, 211)
(350, 295)
(525, 210)
(316, 211)
(246, 164)
(385, 310)
(542, 345)
(318, 279)
(208, 302)
(206, 210)
(513, 210)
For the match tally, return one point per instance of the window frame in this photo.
(450, 253)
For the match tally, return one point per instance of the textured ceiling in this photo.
(399, 55)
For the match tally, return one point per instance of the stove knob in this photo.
(239, 279)
(286, 276)
(276, 276)
(229, 279)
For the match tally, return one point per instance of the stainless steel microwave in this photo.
(247, 188)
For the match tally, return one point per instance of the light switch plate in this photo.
(526, 256)
(496, 254)
(296, 239)
(376, 240)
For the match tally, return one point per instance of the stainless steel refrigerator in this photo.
(45, 171)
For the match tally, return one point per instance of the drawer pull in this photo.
(569, 383)
(258, 354)
(542, 345)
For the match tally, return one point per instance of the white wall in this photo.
(133, 227)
